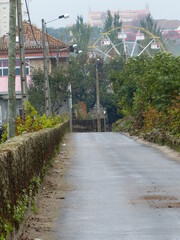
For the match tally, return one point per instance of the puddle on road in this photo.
(158, 201)
(161, 201)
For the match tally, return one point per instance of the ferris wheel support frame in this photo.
(124, 41)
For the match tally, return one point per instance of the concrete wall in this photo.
(21, 159)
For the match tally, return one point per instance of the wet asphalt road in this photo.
(121, 190)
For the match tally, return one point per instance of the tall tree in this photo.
(108, 22)
(151, 25)
(12, 69)
(81, 33)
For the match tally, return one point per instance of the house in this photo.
(34, 60)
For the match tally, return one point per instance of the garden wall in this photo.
(22, 159)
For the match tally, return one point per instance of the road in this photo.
(121, 189)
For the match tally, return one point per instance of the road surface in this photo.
(120, 189)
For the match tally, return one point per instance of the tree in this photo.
(147, 81)
(81, 33)
(36, 91)
(151, 25)
(58, 88)
(108, 22)
(113, 22)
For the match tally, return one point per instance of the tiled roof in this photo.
(30, 42)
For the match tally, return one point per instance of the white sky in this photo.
(51, 9)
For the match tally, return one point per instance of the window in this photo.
(18, 72)
(4, 68)
(5, 72)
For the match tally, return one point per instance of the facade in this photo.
(4, 17)
(97, 18)
(34, 60)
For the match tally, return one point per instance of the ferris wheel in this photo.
(126, 41)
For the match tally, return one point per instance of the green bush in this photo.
(34, 122)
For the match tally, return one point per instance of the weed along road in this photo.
(119, 189)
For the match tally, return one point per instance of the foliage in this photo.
(62, 33)
(36, 91)
(21, 208)
(151, 25)
(33, 122)
(148, 89)
(113, 22)
(81, 33)
(57, 82)
(153, 119)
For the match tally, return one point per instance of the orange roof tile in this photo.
(30, 42)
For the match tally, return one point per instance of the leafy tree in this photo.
(58, 88)
(81, 33)
(62, 33)
(151, 25)
(36, 91)
(113, 22)
(108, 22)
(149, 85)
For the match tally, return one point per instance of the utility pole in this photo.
(97, 99)
(22, 59)
(70, 104)
(58, 56)
(12, 69)
(46, 79)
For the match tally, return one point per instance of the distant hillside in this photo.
(168, 24)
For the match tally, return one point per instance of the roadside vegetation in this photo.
(148, 92)
(33, 122)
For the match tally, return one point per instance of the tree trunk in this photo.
(12, 69)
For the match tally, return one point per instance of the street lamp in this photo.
(71, 49)
(45, 63)
(97, 99)
(104, 112)
(65, 16)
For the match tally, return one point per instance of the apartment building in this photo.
(4, 17)
(97, 18)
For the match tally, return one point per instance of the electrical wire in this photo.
(29, 18)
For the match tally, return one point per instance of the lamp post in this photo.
(70, 104)
(46, 67)
(71, 49)
(97, 99)
(104, 112)
(24, 97)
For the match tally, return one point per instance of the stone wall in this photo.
(21, 159)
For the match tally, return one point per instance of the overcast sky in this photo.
(51, 9)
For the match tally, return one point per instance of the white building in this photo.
(97, 18)
(4, 17)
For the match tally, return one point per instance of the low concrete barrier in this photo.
(22, 159)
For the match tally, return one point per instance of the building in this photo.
(34, 60)
(4, 17)
(97, 18)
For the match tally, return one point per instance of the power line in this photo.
(27, 9)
